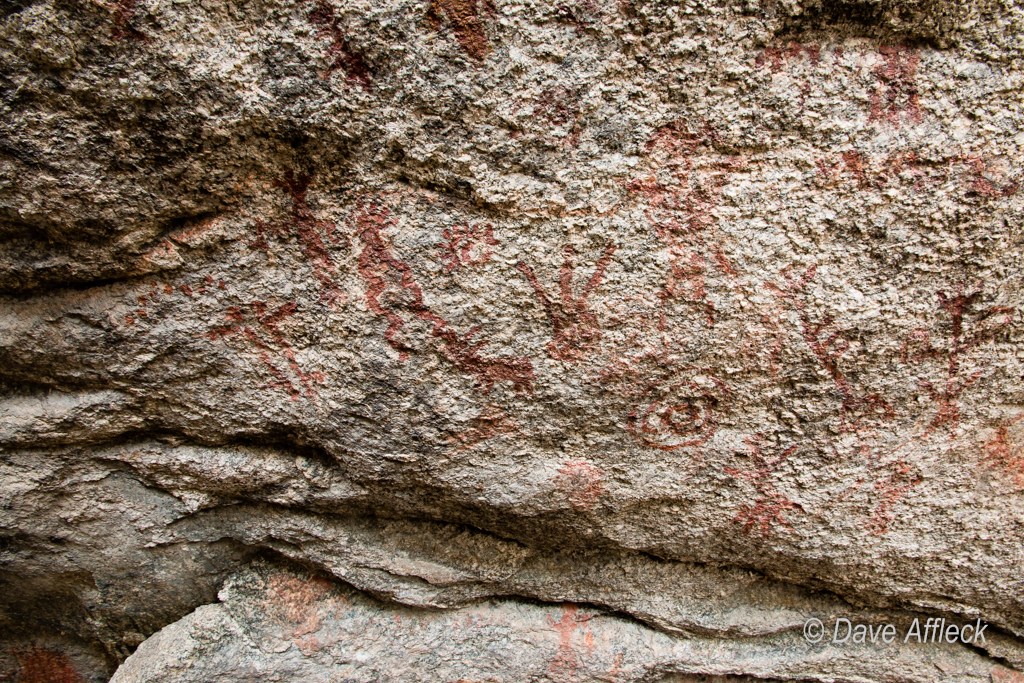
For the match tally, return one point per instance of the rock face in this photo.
(302, 628)
(498, 340)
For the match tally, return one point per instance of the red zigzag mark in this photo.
(380, 269)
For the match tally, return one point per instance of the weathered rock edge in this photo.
(301, 627)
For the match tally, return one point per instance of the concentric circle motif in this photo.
(682, 416)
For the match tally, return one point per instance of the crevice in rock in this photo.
(914, 23)
(40, 266)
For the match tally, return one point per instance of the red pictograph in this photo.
(897, 91)
(566, 660)
(392, 290)
(890, 491)
(678, 406)
(828, 344)
(124, 15)
(574, 326)
(1005, 454)
(984, 183)
(467, 244)
(776, 57)
(770, 506)
(684, 416)
(677, 140)
(980, 179)
(314, 235)
(39, 665)
(687, 281)
(258, 327)
(680, 201)
(466, 20)
(341, 53)
(968, 327)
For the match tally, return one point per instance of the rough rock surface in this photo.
(509, 339)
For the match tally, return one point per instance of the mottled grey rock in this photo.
(298, 627)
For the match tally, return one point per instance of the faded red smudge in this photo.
(581, 483)
(488, 424)
(770, 505)
(380, 269)
(40, 665)
(987, 324)
(982, 185)
(828, 345)
(566, 661)
(560, 106)
(466, 21)
(980, 182)
(1000, 674)
(614, 670)
(892, 490)
(897, 89)
(686, 281)
(1001, 453)
(463, 241)
(878, 172)
(295, 604)
(855, 164)
(676, 138)
(266, 349)
(194, 235)
(574, 326)
(827, 172)
(309, 645)
(344, 57)
(310, 231)
(570, 15)
(124, 13)
(723, 263)
(675, 213)
(777, 56)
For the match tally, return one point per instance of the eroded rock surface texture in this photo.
(509, 340)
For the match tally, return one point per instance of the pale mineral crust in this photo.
(509, 340)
